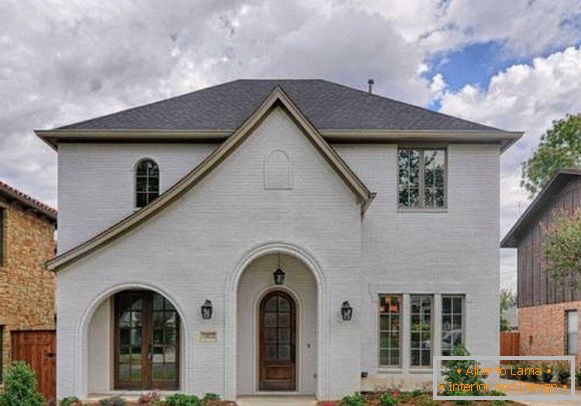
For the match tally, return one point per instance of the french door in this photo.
(277, 342)
(146, 341)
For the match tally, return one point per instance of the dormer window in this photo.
(146, 182)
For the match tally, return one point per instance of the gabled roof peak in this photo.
(277, 97)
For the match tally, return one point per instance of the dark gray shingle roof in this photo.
(326, 104)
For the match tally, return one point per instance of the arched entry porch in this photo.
(133, 340)
(286, 353)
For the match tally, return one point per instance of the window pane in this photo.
(409, 169)
(421, 330)
(452, 323)
(146, 182)
(389, 326)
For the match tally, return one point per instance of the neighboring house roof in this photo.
(337, 111)
(537, 206)
(276, 98)
(13, 194)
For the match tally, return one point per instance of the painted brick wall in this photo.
(542, 329)
(96, 182)
(27, 289)
(189, 250)
(450, 252)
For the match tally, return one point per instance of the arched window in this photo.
(146, 182)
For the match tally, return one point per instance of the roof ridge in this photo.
(411, 105)
(5, 187)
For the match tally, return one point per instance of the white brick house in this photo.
(362, 201)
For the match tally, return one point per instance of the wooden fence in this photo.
(509, 342)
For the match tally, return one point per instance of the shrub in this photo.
(417, 392)
(353, 400)
(211, 396)
(113, 401)
(563, 373)
(426, 400)
(70, 401)
(547, 377)
(151, 398)
(522, 377)
(179, 399)
(497, 402)
(463, 402)
(20, 387)
(451, 373)
(387, 400)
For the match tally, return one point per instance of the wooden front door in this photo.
(38, 349)
(277, 342)
(146, 342)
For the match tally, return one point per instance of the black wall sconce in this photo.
(346, 311)
(207, 310)
(279, 274)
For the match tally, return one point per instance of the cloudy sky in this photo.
(511, 64)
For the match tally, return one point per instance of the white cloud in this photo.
(523, 97)
(65, 61)
(525, 27)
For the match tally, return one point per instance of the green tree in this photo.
(20, 387)
(507, 300)
(561, 248)
(560, 147)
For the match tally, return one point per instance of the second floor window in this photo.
(146, 182)
(422, 178)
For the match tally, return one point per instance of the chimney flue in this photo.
(371, 82)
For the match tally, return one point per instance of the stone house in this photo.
(548, 311)
(273, 236)
(27, 289)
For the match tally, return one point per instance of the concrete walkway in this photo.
(276, 401)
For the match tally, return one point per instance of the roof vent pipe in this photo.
(371, 82)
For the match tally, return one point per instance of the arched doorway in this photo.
(293, 367)
(277, 345)
(146, 341)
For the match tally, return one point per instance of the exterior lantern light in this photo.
(279, 274)
(346, 311)
(207, 310)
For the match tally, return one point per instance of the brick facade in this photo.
(542, 329)
(27, 289)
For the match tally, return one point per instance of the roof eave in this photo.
(53, 137)
(512, 237)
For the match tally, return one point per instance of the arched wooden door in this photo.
(146, 341)
(277, 360)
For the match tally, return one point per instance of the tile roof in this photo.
(12, 193)
(328, 105)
